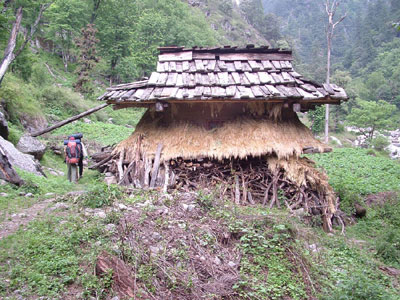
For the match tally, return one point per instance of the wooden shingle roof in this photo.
(224, 74)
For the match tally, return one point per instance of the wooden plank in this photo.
(323, 92)
(178, 56)
(156, 165)
(197, 79)
(207, 91)
(257, 91)
(276, 64)
(146, 93)
(252, 77)
(172, 66)
(169, 92)
(296, 107)
(243, 80)
(243, 91)
(205, 80)
(246, 67)
(199, 65)
(179, 67)
(212, 78)
(153, 78)
(70, 120)
(179, 80)
(138, 94)
(230, 91)
(186, 79)
(179, 93)
(157, 92)
(265, 91)
(295, 74)
(160, 67)
(309, 88)
(171, 81)
(128, 94)
(197, 55)
(222, 66)
(192, 82)
(267, 65)
(211, 65)
(255, 65)
(198, 91)
(230, 67)
(265, 77)
(236, 77)
(231, 81)
(273, 90)
(255, 56)
(277, 78)
(223, 78)
(238, 65)
(192, 68)
(329, 89)
(162, 79)
(185, 66)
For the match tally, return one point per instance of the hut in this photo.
(226, 117)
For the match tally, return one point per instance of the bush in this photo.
(101, 195)
(380, 143)
(388, 246)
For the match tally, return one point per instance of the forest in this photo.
(99, 240)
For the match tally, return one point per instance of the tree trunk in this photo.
(12, 41)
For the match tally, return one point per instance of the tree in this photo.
(87, 58)
(10, 52)
(371, 116)
(331, 11)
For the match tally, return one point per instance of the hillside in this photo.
(91, 240)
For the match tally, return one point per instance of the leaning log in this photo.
(70, 120)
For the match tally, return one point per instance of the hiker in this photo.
(72, 156)
(83, 156)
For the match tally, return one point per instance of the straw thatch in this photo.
(245, 136)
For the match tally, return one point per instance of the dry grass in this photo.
(243, 137)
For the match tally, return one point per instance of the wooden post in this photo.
(156, 165)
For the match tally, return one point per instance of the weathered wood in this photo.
(69, 120)
(7, 172)
(156, 165)
(120, 162)
(102, 162)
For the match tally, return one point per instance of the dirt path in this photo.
(13, 222)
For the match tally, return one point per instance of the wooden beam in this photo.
(70, 120)
(156, 165)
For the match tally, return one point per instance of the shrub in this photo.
(380, 143)
(388, 246)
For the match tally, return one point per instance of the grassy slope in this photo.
(269, 242)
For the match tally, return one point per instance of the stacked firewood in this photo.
(247, 181)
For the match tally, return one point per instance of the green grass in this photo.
(355, 173)
(49, 255)
(102, 133)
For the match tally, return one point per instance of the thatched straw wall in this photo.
(244, 135)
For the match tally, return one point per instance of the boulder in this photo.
(30, 145)
(18, 159)
(3, 126)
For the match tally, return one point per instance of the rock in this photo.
(60, 206)
(299, 212)
(3, 195)
(202, 258)
(110, 227)
(188, 207)
(122, 206)
(231, 264)
(100, 214)
(33, 124)
(217, 261)
(3, 182)
(108, 174)
(110, 120)
(110, 180)
(87, 121)
(336, 140)
(360, 210)
(28, 195)
(3, 126)
(22, 215)
(49, 194)
(156, 236)
(30, 145)
(154, 250)
(115, 298)
(18, 159)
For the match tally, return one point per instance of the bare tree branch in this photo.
(34, 27)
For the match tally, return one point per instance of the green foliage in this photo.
(380, 143)
(349, 172)
(388, 246)
(372, 116)
(102, 133)
(45, 258)
(317, 117)
(101, 194)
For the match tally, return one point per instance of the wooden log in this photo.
(67, 121)
(100, 163)
(119, 165)
(166, 181)
(156, 165)
(237, 190)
